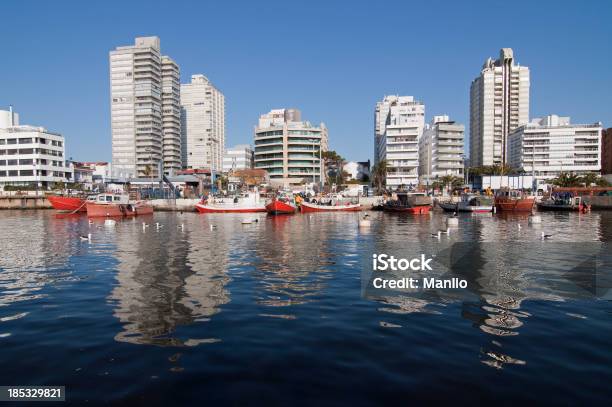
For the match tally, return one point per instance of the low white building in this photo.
(29, 155)
(239, 157)
(549, 146)
(441, 149)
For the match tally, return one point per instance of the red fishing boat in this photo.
(245, 203)
(333, 203)
(280, 206)
(413, 203)
(512, 200)
(112, 205)
(67, 203)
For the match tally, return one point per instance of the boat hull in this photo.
(205, 208)
(514, 205)
(553, 207)
(277, 207)
(310, 207)
(117, 210)
(417, 210)
(448, 206)
(67, 203)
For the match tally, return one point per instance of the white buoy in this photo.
(535, 219)
(452, 221)
(110, 222)
(365, 222)
(247, 221)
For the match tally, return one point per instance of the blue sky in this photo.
(331, 59)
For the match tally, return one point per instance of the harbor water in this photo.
(206, 309)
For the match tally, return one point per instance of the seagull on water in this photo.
(446, 232)
(212, 227)
(436, 235)
(545, 236)
(87, 238)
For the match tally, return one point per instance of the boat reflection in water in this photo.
(169, 279)
(289, 272)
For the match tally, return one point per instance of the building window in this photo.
(26, 173)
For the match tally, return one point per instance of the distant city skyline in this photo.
(327, 59)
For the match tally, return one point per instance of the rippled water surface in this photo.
(274, 312)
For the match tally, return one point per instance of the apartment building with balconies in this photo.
(139, 141)
(399, 122)
(499, 103)
(551, 145)
(441, 149)
(288, 148)
(30, 155)
(171, 115)
(203, 124)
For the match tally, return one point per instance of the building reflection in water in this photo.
(168, 279)
(295, 259)
(501, 273)
(36, 246)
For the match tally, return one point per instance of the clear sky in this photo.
(332, 59)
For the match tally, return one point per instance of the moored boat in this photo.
(67, 203)
(332, 203)
(476, 204)
(246, 203)
(512, 200)
(113, 205)
(281, 205)
(409, 203)
(563, 201)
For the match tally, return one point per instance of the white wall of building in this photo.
(239, 157)
(203, 124)
(441, 149)
(552, 145)
(137, 117)
(499, 103)
(30, 155)
(399, 122)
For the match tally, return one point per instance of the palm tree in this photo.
(379, 175)
(589, 179)
(451, 181)
(566, 180)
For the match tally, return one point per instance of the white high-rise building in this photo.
(203, 124)
(399, 122)
(136, 109)
(239, 157)
(549, 146)
(499, 103)
(441, 149)
(289, 148)
(171, 115)
(30, 155)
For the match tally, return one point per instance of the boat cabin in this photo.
(109, 199)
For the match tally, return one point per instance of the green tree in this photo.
(567, 180)
(379, 175)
